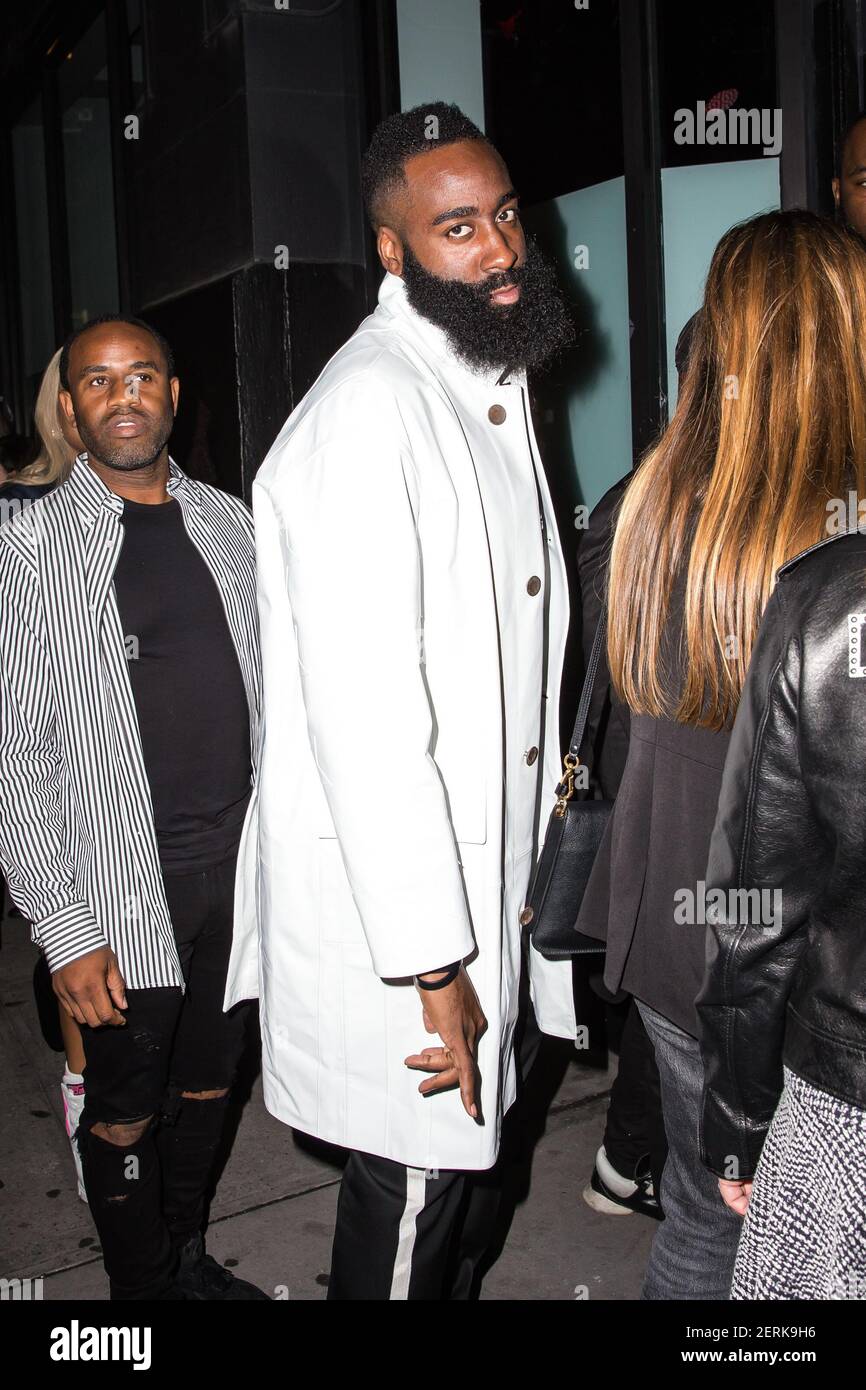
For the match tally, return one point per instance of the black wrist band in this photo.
(448, 979)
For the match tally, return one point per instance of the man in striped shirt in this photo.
(130, 684)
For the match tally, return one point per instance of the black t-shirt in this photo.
(189, 693)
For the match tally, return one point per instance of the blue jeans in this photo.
(694, 1249)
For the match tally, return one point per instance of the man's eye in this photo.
(509, 213)
(462, 228)
(98, 380)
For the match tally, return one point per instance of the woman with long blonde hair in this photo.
(59, 444)
(769, 430)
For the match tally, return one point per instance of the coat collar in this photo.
(90, 495)
(394, 303)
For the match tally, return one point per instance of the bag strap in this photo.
(571, 761)
(588, 685)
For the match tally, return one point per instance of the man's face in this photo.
(120, 398)
(458, 243)
(849, 190)
(459, 215)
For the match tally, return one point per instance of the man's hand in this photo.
(455, 1014)
(91, 989)
(736, 1195)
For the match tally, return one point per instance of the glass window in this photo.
(721, 139)
(84, 106)
(554, 109)
(552, 92)
(716, 58)
(34, 258)
(134, 28)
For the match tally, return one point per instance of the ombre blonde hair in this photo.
(56, 455)
(769, 427)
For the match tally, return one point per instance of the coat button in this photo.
(526, 916)
(531, 755)
(496, 414)
(533, 585)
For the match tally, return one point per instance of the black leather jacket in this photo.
(792, 818)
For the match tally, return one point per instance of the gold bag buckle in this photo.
(565, 790)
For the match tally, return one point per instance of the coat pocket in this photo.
(466, 798)
(339, 919)
(469, 820)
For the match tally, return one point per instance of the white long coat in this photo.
(399, 547)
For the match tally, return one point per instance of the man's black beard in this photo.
(842, 221)
(485, 335)
(131, 455)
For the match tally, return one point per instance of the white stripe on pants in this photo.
(416, 1188)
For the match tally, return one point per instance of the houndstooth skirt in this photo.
(804, 1235)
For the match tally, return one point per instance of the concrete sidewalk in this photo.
(273, 1213)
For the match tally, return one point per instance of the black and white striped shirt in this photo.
(77, 840)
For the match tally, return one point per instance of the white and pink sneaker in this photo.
(72, 1091)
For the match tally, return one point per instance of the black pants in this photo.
(635, 1126)
(148, 1198)
(393, 1232)
(411, 1233)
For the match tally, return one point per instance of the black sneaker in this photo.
(613, 1194)
(200, 1276)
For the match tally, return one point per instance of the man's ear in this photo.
(66, 406)
(174, 387)
(836, 191)
(390, 248)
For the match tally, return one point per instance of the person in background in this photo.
(849, 184)
(59, 443)
(765, 431)
(783, 1006)
(627, 1172)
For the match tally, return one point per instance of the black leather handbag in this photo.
(574, 833)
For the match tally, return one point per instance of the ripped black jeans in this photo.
(148, 1198)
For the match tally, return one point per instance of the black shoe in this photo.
(200, 1276)
(615, 1195)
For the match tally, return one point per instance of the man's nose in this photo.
(498, 253)
(121, 394)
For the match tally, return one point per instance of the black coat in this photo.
(666, 777)
(786, 976)
(606, 739)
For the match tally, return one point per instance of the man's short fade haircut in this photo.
(112, 318)
(401, 136)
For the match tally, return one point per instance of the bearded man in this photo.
(413, 605)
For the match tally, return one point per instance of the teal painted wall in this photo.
(593, 393)
(440, 54)
(699, 203)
